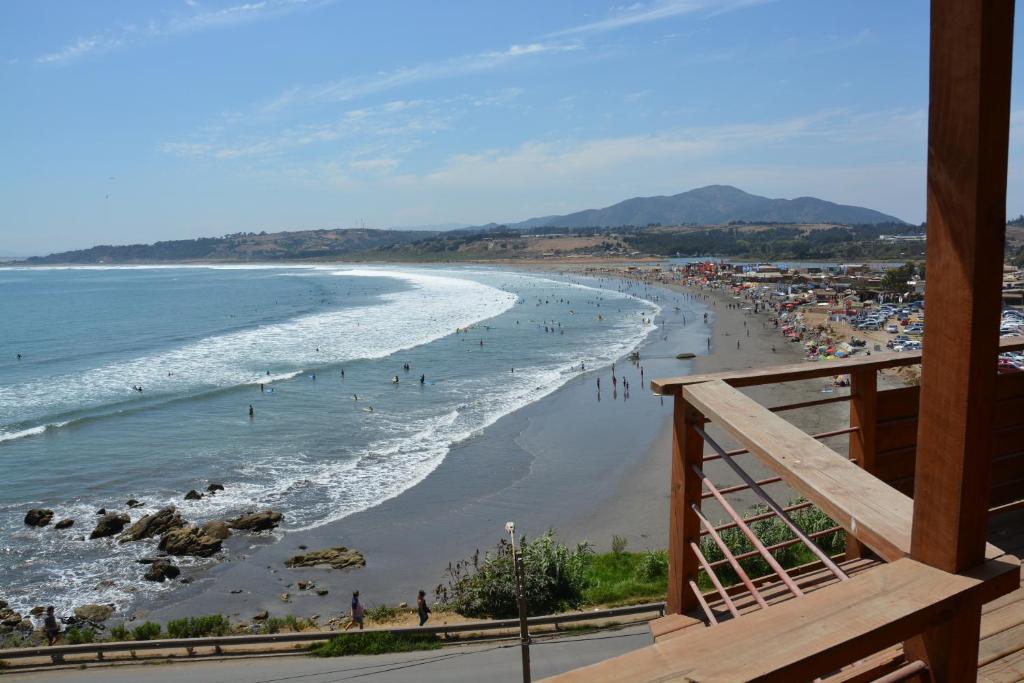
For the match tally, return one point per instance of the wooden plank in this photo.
(968, 136)
(812, 635)
(863, 442)
(684, 525)
(866, 507)
(897, 403)
(1008, 669)
(1003, 619)
(896, 434)
(1001, 645)
(893, 465)
(799, 371)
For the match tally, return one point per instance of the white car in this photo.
(892, 329)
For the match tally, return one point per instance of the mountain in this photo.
(245, 246)
(712, 205)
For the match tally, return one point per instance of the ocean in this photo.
(332, 433)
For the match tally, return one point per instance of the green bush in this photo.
(146, 631)
(652, 566)
(79, 636)
(374, 643)
(290, 623)
(554, 578)
(198, 627)
(119, 632)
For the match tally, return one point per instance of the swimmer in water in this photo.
(423, 379)
(251, 411)
(394, 380)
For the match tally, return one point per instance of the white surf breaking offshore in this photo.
(309, 490)
(433, 308)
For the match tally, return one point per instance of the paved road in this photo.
(495, 663)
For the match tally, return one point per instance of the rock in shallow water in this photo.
(216, 529)
(160, 571)
(189, 540)
(328, 558)
(64, 524)
(109, 525)
(213, 488)
(257, 521)
(38, 517)
(193, 495)
(153, 525)
(94, 613)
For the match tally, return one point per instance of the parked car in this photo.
(892, 329)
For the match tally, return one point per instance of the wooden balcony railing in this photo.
(841, 618)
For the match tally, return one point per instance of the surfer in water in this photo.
(355, 397)
(423, 379)
(251, 411)
(394, 380)
(343, 373)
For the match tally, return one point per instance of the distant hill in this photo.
(712, 205)
(244, 246)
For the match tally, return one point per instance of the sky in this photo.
(128, 122)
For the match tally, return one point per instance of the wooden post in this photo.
(864, 416)
(968, 137)
(683, 524)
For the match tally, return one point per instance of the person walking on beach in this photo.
(50, 626)
(422, 608)
(357, 612)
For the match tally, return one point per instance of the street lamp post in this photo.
(524, 629)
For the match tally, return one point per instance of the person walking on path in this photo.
(358, 611)
(422, 608)
(50, 626)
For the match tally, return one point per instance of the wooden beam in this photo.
(863, 416)
(968, 137)
(813, 635)
(810, 370)
(683, 523)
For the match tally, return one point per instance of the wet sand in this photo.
(585, 467)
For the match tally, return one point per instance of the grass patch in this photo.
(383, 613)
(79, 636)
(288, 623)
(618, 578)
(374, 643)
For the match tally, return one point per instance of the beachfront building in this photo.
(931, 492)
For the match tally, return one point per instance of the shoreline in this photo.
(589, 468)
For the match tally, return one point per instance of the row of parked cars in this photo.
(1011, 325)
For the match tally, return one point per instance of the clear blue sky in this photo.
(128, 121)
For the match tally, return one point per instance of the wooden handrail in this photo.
(798, 371)
(816, 634)
(866, 507)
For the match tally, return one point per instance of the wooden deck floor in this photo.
(1001, 652)
(1001, 655)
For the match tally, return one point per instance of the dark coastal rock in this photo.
(260, 616)
(132, 503)
(109, 525)
(37, 611)
(216, 529)
(160, 571)
(328, 558)
(321, 592)
(189, 540)
(94, 613)
(38, 517)
(152, 525)
(193, 495)
(213, 488)
(64, 524)
(303, 585)
(101, 511)
(257, 521)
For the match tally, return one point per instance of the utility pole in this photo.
(524, 629)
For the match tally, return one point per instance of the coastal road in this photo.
(495, 662)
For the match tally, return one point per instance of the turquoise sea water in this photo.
(76, 436)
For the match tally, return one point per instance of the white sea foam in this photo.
(434, 307)
(310, 489)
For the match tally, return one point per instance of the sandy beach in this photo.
(585, 466)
